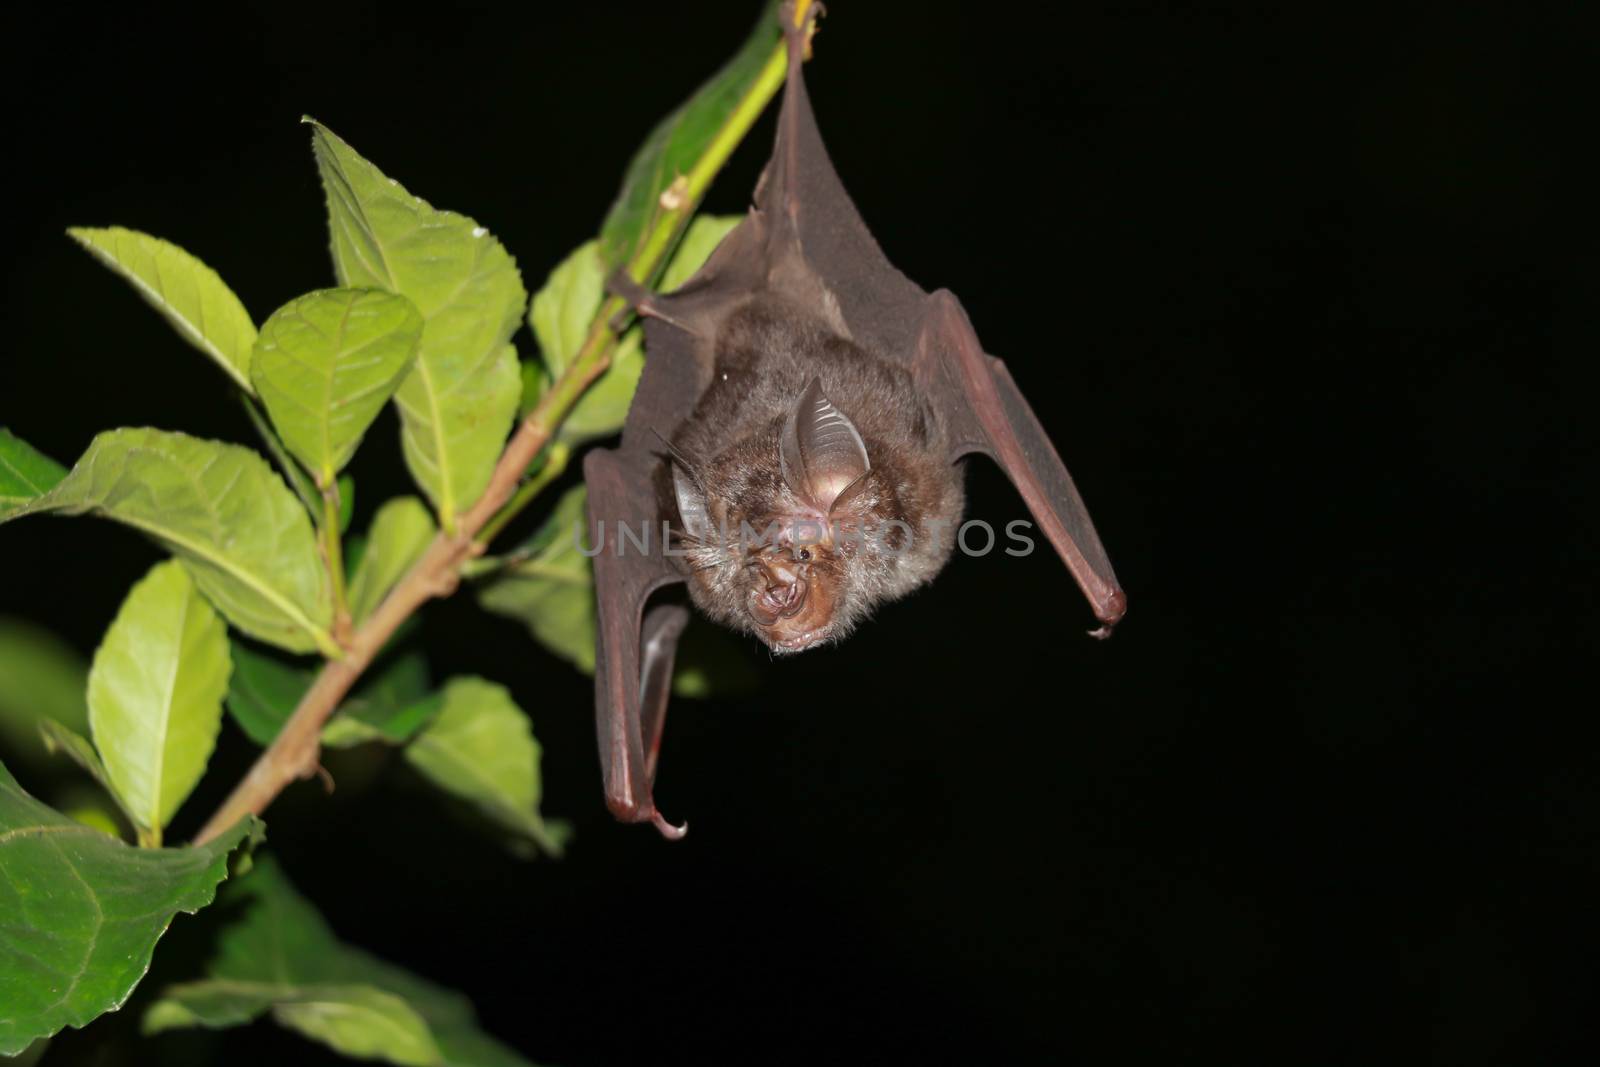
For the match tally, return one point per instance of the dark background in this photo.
(1306, 300)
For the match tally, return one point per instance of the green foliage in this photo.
(399, 535)
(562, 310)
(390, 707)
(705, 233)
(80, 912)
(25, 473)
(346, 487)
(91, 806)
(391, 704)
(244, 537)
(155, 694)
(480, 747)
(326, 363)
(30, 1055)
(428, 305)
(263, 691)
(280, 957)
(65, 741)
(186, 292)
(457, 404)
(551, 589)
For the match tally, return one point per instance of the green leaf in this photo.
(42, 678)
(30, 1055)
(263, 691)
(293, 473)
(705, 233)
(91, 806)
(326, 363)
(603, 408)
(458, 402)
(560, 314)
(25, 472)
(399, 534)
(680, 139)
(80, 912)
(186, 291)
(245, 539)
(562, 311)
(155, 694)
(564, 307)
(390, 706)
(552, 589)
(60, 740)
(480, 747)
(278, 956)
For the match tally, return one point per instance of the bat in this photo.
(795, 446)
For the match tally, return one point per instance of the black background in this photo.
(1306, 301)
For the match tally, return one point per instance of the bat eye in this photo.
(804, 554)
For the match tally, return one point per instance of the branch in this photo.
(294, 752)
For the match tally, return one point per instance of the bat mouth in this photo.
(792, 618)
(772, 605)
(797, 642)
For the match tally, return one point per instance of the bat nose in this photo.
(788, 598)
(780, 600)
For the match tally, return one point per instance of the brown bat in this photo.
(799, 427)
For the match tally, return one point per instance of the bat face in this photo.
(800, 513)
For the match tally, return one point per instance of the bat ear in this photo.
(821, 452)
(691, 500)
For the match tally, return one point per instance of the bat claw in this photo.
(1111, 613)
(800, 31)
(668, 831)
(622, 284)
(641, 301)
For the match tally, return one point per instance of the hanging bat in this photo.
(799, 426)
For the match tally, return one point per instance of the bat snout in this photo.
(779, 600)
(793, 607)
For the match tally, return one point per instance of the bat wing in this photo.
(984, 411)
(630, 696)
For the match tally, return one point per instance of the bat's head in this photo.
(796, 533)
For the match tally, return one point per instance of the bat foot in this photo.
(800, 31)
(667, 830)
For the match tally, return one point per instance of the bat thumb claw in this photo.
(667, 830)
(1111, 613)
